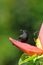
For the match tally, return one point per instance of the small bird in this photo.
(24, 36)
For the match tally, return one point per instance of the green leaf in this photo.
(31, 60)
(30, 63)
(38, 57)
(25, 58)
(22, 58)
(39, 60)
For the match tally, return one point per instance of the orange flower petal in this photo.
(27, 48)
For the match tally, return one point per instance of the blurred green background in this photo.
(16, 15)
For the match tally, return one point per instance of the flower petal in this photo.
(27, 48)
(41, 35)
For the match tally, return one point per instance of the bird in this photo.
(24, 36)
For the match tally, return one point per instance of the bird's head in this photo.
(23, 31)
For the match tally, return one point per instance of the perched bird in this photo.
(24, 36)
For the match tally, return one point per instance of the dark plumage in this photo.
(24, 36)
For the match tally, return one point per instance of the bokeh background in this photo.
(16, 15)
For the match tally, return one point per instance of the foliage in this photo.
(31, 60)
